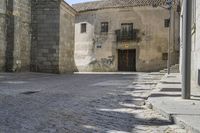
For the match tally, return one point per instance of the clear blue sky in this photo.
(76, 1)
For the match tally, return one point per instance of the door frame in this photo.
(135, 49)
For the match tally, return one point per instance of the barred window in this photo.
(104, 26)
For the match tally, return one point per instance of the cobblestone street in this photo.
(47, 103)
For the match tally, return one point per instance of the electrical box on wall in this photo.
(199, 77)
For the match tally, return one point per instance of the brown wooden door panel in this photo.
(127, 60)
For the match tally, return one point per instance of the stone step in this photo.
(173, 69)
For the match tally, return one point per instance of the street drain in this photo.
(29, 92)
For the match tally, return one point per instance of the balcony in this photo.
(124, 36)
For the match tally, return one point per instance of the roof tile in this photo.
(103, 4)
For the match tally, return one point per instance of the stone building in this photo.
(195, 48)
(2, 34)
(15, 35)
(125, 35)
(36, 35)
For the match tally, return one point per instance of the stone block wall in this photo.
(52, 36)
(36, 35)
(22, 35)
(15, 35)
(45, 36)
(2, 34)
(67, 33)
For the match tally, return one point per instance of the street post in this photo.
(187, 40)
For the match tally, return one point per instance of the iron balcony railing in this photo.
(125, 35)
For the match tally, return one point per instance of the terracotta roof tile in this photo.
(103, 4)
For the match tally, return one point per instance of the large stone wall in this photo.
(15, 34)
(152, 44)
(22, 35)
(2, 34)
(36, 35)
(66, 47)
(45, 36)
(52, 37)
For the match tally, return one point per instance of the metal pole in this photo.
(186, 62)
(169, 43)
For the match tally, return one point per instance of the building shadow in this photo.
(9, 57)
(119, 116)
(164, 95)
(170, 90)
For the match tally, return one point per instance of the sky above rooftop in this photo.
(77, 1)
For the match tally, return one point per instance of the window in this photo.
(104, 26)
(98, 46)
(83, 28)
(165, 56)
(167, 23)
(126, 31)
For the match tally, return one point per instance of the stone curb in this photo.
(110, 73)
(168, 82)
(160, 111)
(181, 123)
(172, 117)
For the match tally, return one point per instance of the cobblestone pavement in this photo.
(45, 103)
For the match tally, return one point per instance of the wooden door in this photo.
(127, 60)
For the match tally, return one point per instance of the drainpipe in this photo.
(187, 40)
(169, 43)
(170, 8)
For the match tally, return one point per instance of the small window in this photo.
(104, 26)
(165, 56)
(83, 28)
(167, 23)
(98, 46)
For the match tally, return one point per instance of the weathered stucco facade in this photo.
(36, 36)
(99, 51)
